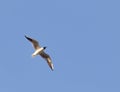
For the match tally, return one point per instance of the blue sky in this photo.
(82, 38)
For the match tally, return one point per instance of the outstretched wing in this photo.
(48, 59)
(34, 42)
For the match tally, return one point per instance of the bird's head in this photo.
(44, 47)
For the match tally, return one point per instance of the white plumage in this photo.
(40, 51)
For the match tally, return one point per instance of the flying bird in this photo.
(40, 51)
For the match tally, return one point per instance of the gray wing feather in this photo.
(34, 42)
(48, 59)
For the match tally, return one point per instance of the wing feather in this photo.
(34, 42)
(48, 59)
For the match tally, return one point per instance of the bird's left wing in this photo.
(34, 42)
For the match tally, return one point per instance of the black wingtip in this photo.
(28, 38)
(25, 36)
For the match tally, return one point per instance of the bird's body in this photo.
(40, 51)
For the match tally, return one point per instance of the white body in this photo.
(38, 51)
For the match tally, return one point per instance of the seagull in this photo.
(40, 51)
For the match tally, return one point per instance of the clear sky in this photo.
(82, 38)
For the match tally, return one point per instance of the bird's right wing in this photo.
(34, 42)
(48, 59)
